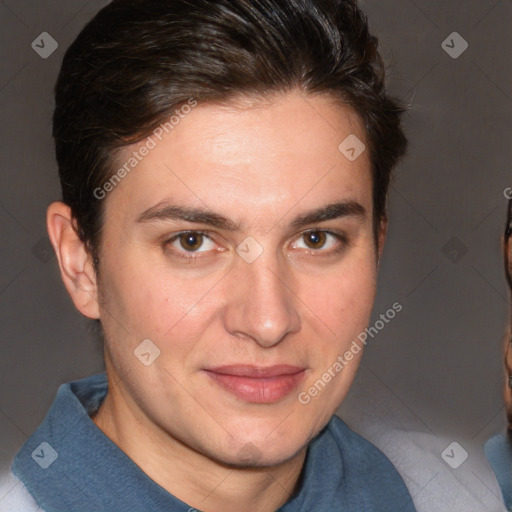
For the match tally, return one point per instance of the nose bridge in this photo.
(268, 285)
(262, 306)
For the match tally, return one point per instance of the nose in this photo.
(261, 305)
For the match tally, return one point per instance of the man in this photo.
(498, 449)
(224, 167)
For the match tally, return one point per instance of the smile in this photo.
(254, 384)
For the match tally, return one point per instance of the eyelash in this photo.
(194, 255)
(341, 239)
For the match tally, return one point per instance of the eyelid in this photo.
(192, 254)
(169, 238)
(340, 237)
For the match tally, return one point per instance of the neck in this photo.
(190, 476)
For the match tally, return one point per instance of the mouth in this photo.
(256, 384)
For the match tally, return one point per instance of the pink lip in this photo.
(258, 384)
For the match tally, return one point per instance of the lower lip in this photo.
(261, 390)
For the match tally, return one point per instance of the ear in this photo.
(381, 238)
(75, 263)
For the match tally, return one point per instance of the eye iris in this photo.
(315, 239)
(191, 241)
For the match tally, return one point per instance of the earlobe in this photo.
(75, 262)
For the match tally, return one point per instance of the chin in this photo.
(250, 456)
(259, 453)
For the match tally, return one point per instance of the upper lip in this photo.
(247, 370)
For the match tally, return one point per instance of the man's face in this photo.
(259, 295)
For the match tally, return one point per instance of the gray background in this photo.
(437, 364)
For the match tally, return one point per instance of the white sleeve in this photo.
(14, 496)
(433, 484)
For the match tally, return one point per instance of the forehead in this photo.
(243, 157)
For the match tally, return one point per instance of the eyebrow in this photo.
(165, 211)
(330, 212)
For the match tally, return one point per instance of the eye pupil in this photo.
(191, 241)
(315, 239)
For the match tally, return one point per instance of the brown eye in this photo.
(320, 242)
(191, 241)
(191, 245)
(315, 239)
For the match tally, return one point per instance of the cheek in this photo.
(138, 297)
(146, 300)
(137, 286)
(344, 301)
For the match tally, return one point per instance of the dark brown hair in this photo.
(137, 61)
(507, 249)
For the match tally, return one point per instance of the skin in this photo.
(261, 165)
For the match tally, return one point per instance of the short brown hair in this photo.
(137, 61)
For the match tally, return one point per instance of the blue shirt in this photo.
(69, 465)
